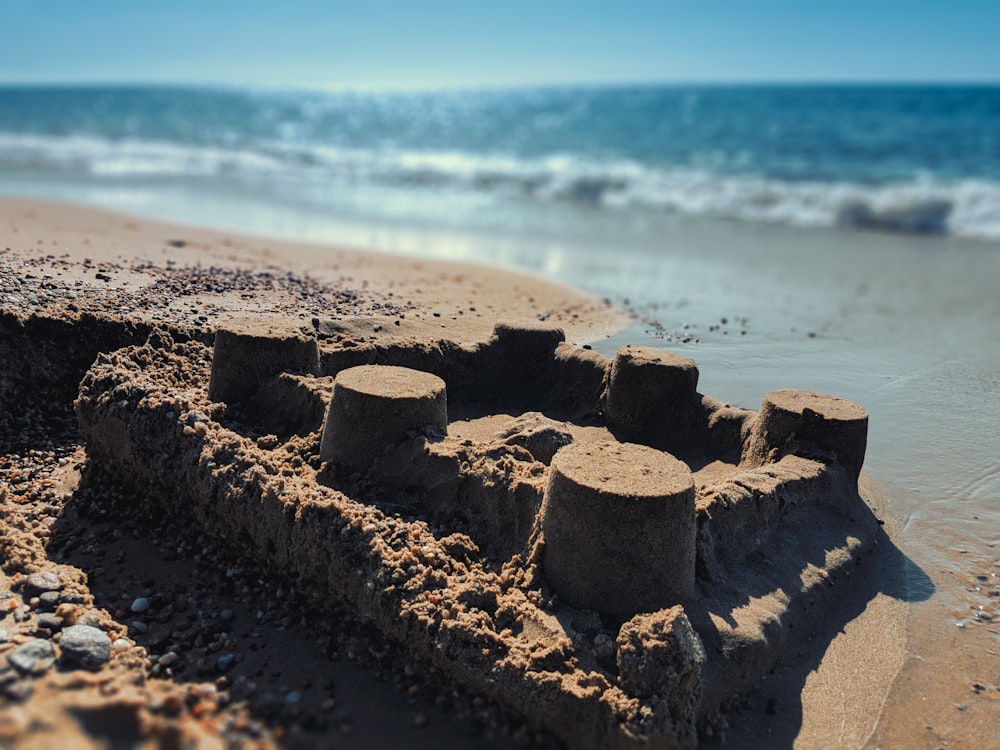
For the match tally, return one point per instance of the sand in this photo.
(411, 294)
(827, 695)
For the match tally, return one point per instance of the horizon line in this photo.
(458, 88)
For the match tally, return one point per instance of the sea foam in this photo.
(302, 171)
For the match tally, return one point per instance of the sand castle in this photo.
(590, 542)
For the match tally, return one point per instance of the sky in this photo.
(472, 43)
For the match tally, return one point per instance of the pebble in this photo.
(88, 646)
(140, 605)
(49, 621)
(49, 600)
(33, 657)
(226, 661)
(17, 691)
(88, 618)
(42, 581)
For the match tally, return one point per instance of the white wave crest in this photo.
(966, 208)
(103, 157)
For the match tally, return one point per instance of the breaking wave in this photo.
(922, 205)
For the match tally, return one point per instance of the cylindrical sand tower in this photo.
(250, 351)
(644, 382)
(377, 406)
(832, 424)
(619, 528)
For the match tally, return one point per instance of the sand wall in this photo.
(412, 555)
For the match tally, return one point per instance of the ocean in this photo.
(841, 239)
(914, 159)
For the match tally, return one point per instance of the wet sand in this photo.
(906, 327)
(909, 341)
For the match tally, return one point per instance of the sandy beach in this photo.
(911, 661)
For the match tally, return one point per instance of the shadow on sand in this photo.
(771, 715)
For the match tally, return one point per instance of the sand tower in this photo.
(644, 387)
(792, 420)
(251, 351)
(619, 527)
(378, 406)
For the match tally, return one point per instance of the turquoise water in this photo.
(901, 159)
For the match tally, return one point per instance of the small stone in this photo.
(140, 605)
(88, 646)
(48, 600)
(168, 658)
(17, 691)
(89, 618)
(42, 581)
(121, 644)
(49, 621)
(33, 657)
(226, 661)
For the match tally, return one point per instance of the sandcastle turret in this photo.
(619, 527)
(643, 385)
(377, 406)
(250, 351)
(528, 342)
(789, 419)
(518, 359)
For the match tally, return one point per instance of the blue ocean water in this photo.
(887, 158)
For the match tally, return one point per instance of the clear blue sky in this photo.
(416, 43)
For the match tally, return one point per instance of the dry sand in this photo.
(421, 295)
(830, 693)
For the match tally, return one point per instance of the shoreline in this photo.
(430, 288)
